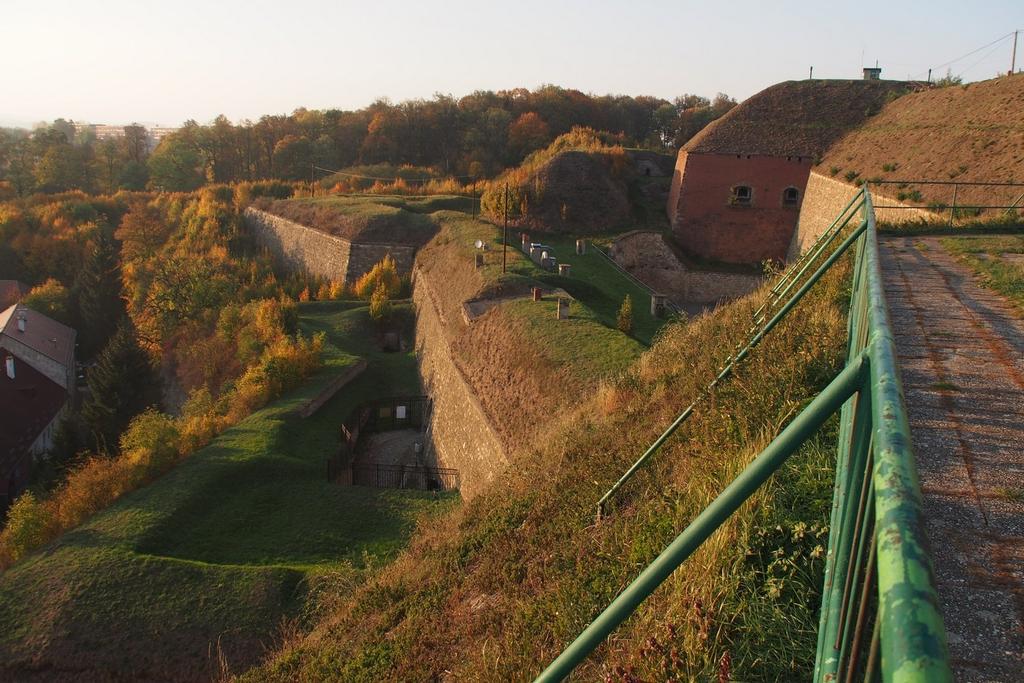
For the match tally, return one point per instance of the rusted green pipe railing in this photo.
(797, 270)
(727, 502)
(730, 365)
(879, 611)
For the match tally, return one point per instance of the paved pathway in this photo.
(961, 351)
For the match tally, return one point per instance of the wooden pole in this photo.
(504, 233)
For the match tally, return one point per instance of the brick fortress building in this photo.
(738, 184)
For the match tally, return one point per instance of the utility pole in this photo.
(929, 76)
(1013, 59)
(810, 76)
(504, 232)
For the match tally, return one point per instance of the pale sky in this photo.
(121, 61)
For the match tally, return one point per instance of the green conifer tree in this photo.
(98, 296)
(121, 385)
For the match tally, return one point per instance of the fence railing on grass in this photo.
(879, 613)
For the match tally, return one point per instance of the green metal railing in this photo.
(770, 314)
(879, 614)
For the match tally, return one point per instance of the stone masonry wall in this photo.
(647, 257)
(300, 248)
(460, 430)
(825, 197)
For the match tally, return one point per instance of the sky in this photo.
(163, 63)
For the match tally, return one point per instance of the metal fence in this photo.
(964, 200)
(879, 614)
(405, 477)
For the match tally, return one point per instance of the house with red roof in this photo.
(37, 380)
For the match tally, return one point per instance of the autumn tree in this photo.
(175, 165)
(624, 321)
(51, 299)
(528, 133)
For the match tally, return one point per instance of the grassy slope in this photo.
(221, 549)
(987, 256)
(966, 133)
(494, 590)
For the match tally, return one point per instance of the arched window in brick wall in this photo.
(790, 196)
(742, 195)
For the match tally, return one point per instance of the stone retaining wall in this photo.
(825, 197)
(298, 247)
(461, 433)
(646, 256)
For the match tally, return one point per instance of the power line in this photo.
(975, 51)
(987, 55)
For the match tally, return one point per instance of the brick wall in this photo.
(461, 433)
(646, 256)
(708, 225)
(825, 197)
(297, 247)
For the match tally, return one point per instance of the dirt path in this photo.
(961, 351)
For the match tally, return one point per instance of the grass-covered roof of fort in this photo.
(368, 219)
(795, 118)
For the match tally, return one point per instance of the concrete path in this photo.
(961, 351)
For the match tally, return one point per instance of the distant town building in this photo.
(738, 184)
(102, 131)
(37, 381)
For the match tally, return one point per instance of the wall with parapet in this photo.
(461, 433)
(298, 247)
(647, 257)
(825, 197)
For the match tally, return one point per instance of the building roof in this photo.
(795, 118)
(42, 334)
(28, 403)
(11, 292)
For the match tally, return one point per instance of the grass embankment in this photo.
(210, 559)
(998, 260)
(390, 219)
(494, 590)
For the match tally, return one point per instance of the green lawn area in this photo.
(594, 281)
(581, 343)
(601, 286)
(997, 259)
(227, 542)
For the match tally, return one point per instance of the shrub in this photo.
(383, 273)
(380, 305)
(625, 319)
(29, 525)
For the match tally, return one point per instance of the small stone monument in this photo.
(562, 311)
(564, 269)
(581, 247)
(536, 293)
(535, 254)
(526, 242)
(479, 260)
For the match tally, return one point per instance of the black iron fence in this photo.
(405, 477)
(385, 414)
